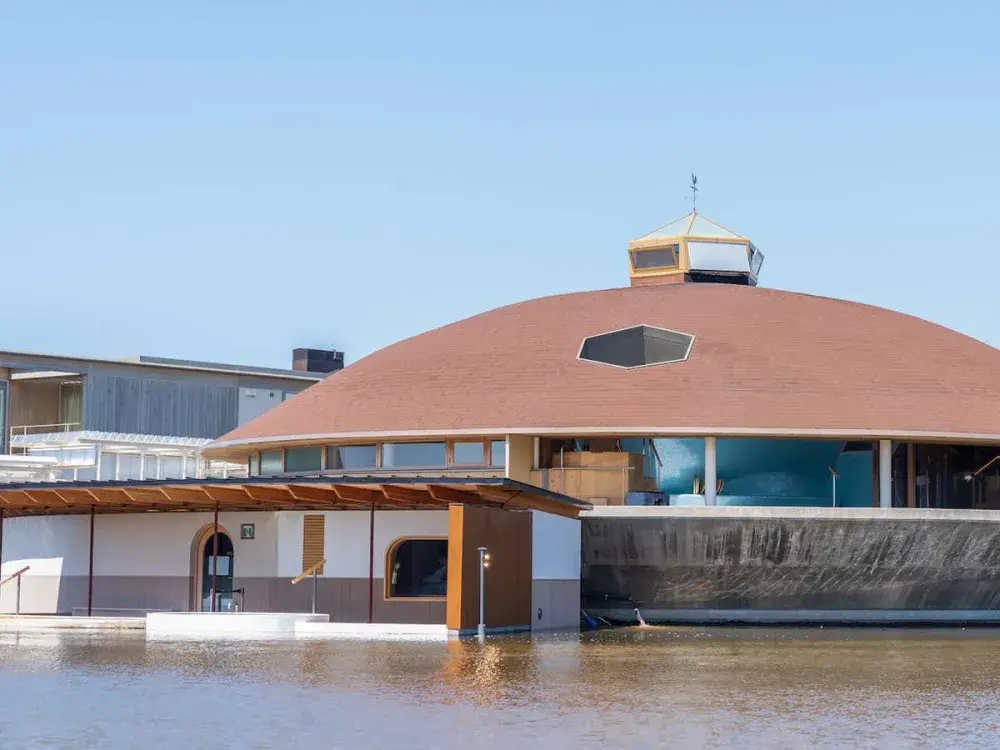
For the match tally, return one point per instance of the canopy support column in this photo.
(1, 537)
(90, 570)
(885, 473)
(911, 475)
(371, 565)
(215, 552)
(710, 481)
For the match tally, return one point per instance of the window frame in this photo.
(674, 248)
(326, 456)
(414, 467)
(284, 461)
(280, 452)
(450, 454)
(390, 553)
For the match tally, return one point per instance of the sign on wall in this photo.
(246, 531)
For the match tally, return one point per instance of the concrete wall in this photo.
(555, 572)
(667, 560)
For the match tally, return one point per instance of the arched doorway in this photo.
(204, 566)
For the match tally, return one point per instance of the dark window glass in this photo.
(350, 457)
(468, 453)
(412, 455)
(270, 463)
(309, 458)
(498, 453)
(665, 257)
(419, 567)
(637, 347)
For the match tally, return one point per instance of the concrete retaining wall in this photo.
(778, 559)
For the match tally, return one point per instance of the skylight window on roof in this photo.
(638, 346)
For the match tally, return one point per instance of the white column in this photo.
(885, 473)
(710, 471)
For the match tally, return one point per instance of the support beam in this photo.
(885, 473)
(911, 475)
(710, 480)
(371, 565)
(1, 537)
(90, 570)
(407, 495)
(215, 553)
(358, 494)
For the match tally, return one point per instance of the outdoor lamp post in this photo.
(484, 563)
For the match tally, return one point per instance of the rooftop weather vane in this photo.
(694, 193)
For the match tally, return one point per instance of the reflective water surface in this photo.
(669, 687)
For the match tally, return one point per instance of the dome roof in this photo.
(762, 362)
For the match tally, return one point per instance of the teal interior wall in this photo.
(770, 472)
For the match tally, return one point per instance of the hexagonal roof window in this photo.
(638, 346)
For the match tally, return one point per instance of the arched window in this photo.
(417, 568)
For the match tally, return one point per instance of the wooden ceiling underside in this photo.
(143, 497)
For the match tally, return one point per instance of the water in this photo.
(658, 688)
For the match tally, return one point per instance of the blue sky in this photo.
(228, 180)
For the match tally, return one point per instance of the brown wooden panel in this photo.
(507, 536)
(313, 540)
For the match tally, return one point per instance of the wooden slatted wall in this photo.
(313, 533)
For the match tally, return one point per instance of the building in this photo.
(133, 418)
(733, 452)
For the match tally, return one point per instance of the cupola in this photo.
(691, 249)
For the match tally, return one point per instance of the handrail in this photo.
(309, 571)
(12, 576)
(17, 575)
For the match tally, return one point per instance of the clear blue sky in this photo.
(228, 180)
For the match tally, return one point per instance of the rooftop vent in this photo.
(638, 346)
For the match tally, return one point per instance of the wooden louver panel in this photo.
(313, 531)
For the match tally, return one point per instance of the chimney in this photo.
(317, 360)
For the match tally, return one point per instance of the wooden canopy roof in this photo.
(314, 492)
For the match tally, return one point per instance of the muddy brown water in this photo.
(657, 688)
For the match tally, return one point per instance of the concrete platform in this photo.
(880, 617)
(373, 632)
(227, 624)
(50, 623)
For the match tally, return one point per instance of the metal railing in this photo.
(17, 576)
(41, 429)
(313, 570)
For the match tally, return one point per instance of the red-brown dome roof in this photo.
(764, 362)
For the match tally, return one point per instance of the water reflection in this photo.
(684, 687)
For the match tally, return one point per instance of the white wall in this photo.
(57, 545)
(346, 539)
(555, 547)
(154, 544)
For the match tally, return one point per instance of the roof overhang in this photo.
(313, 493)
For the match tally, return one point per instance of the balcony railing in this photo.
(42, 429)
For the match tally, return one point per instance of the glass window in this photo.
(664, 257)
(412, 455)
(419, 567)
(498, 453)
(309, 458)
(255, 464)
(468, 453)
(350, 457)
(270, 463)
